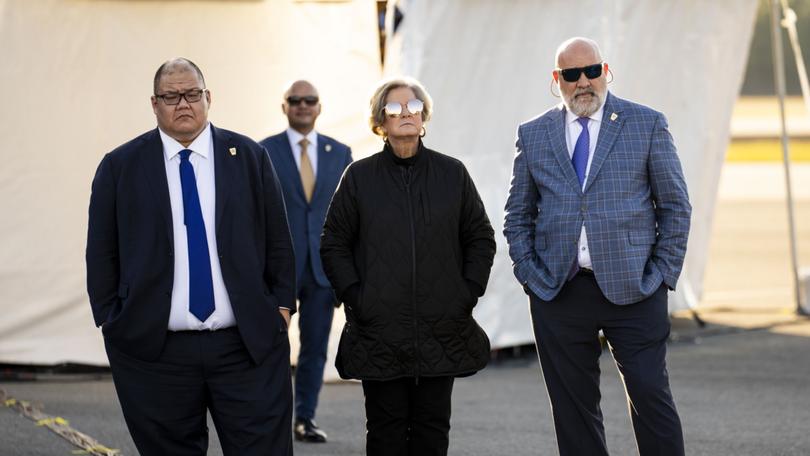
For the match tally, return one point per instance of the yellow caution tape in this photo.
(53, 420)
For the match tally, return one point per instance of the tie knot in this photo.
(304, 143)
(584, 121)
(184, 154)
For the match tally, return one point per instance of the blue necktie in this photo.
(201, 286)
(580, 161)
(581, 150)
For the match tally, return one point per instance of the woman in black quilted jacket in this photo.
(408, 248)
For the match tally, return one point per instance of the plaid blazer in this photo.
(635, 206)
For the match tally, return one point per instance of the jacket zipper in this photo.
(406, 175)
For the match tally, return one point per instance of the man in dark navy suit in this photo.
(191, 276)
(309, 166)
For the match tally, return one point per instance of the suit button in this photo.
(169, 294)
(221, 256)
(171, 254)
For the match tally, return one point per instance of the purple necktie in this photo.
(581, 149)
(580, 162)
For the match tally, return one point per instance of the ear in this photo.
(605, 69)
(284, 108)
(556, 75)
(154, 104)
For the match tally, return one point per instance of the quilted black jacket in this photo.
(409, 250)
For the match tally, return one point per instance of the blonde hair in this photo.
(377, 116)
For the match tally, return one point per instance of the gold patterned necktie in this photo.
(307, 174)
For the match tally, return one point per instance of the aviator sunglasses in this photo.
(309, 100)
(573, 74)
(394, 109)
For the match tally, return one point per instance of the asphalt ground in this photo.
(741, 383)
(739, 392)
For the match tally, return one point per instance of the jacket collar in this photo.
(416, 160)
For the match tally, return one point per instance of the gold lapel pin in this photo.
(614, 116)
(232, 150)
(328, 148)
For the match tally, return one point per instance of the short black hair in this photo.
(164, 68)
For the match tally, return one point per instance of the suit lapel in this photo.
(324, 166)
(154, 164)
(608, 131)
(288, 161)
(560, 148)
(224, 171)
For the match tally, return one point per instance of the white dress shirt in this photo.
(572, 131)
(202, 160)
(312, 149)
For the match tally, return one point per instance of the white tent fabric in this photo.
(488, 67)
(77, 76)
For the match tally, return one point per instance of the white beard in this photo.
(583, 108)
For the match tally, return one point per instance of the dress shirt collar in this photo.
(295, 137)
(570, 117)
(201, 144)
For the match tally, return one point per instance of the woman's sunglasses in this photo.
(573, 74)
(394, 109)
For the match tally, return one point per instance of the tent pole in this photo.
(779, 84)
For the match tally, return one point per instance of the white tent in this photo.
(488, 65)
(77, 78)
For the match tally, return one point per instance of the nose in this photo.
(583, 80)
(183, 103)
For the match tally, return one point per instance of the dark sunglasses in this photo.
(309, 100)
(573, 74)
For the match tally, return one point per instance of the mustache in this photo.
(584, 91)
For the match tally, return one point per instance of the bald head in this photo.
(302, 106)
(579, 46)
(580, 76)
(176, 65)
(300, 86)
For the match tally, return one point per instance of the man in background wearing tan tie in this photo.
(309, 166)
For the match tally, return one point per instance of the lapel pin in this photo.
(328, 148)
(232, 150)
(614, 116)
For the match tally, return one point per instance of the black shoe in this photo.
(306, 430)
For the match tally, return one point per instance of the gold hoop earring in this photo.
(551, 88)
(423, 132)
(611, 76)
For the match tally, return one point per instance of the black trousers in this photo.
(165, 401)
(404, 417)
(566, 330)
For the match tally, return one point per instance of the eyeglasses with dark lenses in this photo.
(394, 109)
(573, 74)
(192, 96)
(309, 100)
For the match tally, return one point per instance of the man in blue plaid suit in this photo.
(597, 222)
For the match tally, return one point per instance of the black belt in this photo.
(585, 271)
